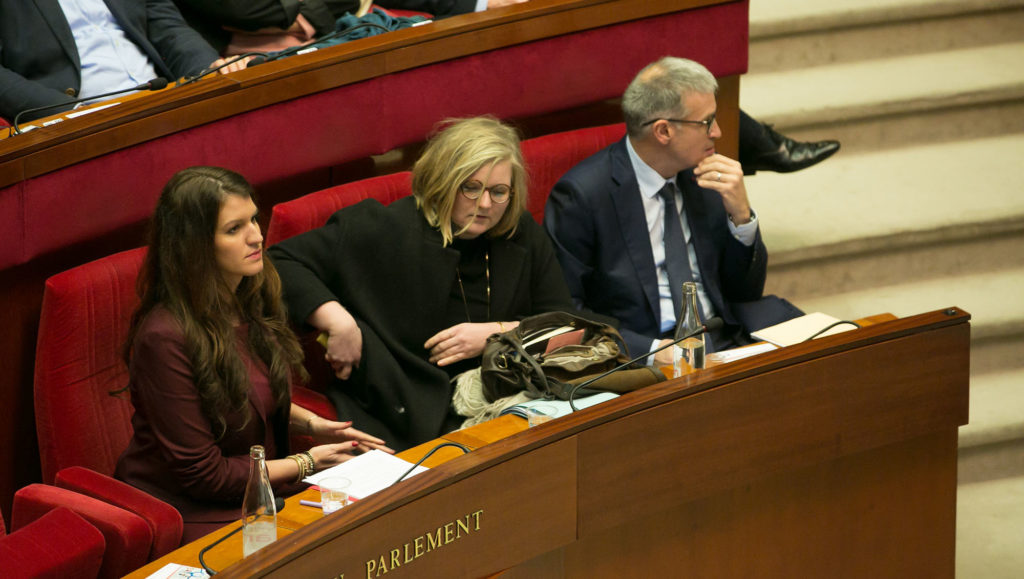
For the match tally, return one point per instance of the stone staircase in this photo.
(923, 208)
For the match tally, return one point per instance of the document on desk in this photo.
(369, 472)
(800, 329)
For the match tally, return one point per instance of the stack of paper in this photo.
(369, 472)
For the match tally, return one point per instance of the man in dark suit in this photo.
(49, 57)
(610, 216)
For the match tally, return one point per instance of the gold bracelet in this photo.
(309, 424)
(311, 461)
(302, 467)
(501, 327)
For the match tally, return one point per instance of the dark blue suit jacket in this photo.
(595, 217)
(39, 60)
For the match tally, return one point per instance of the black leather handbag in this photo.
(548, 354)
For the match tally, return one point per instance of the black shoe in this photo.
(791, 155)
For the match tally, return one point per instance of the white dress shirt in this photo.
(110, 60)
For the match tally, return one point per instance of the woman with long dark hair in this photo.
(212, 360)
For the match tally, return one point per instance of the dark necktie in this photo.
(677, 259)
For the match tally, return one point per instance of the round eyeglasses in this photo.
(473, 190)
(708, 122)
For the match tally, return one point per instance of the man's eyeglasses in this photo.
(473, 190)
(708, 122)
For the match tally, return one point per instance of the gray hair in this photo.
(659, 89)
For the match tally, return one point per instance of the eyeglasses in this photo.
(473, 190)
(708, 122)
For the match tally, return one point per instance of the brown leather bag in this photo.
(547, 355)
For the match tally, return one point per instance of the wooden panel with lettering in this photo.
(813, 411)
(481, 524)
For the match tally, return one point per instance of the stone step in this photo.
(989, 526)
(993, 299)
(991, 445)
(996, 411)
(796, 34)
(896, 102)
(863, 203)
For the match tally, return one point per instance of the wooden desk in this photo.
(295, 516)
(831, 458)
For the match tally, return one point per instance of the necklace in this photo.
(487, 276)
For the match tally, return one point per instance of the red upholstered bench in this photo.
(311, 211)
(128, 538)
(59, 544)
(551, 156)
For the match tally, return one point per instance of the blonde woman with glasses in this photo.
(406, 294)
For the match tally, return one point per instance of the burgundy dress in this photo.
(173, 454)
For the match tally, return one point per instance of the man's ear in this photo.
(662, 131)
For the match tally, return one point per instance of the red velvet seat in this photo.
(311, 211)
(128, 538)
(549, 157)
(58, 545)
(164, 520)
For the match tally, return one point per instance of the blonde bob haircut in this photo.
(457, 150)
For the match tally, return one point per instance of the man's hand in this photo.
(235, 66)
(664, 357)
(500, 3)
(724, 175)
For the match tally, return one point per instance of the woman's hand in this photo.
(331, 431)
(344, 343)
(328, 455)
(461, 342)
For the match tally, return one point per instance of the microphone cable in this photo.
(830, 326)
(270, 57)
(154, 84)
(464, 449)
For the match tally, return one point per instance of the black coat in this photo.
(387, 266)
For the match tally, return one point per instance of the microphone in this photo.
(155, 84)
(711, 325)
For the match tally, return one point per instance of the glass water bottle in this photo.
(259, 513)
(688, 355)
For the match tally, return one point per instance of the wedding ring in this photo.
(718, 176)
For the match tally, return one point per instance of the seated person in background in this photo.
(408, 293)
(56, 51)
(211, 359)
(239, 26)
(615, 217)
